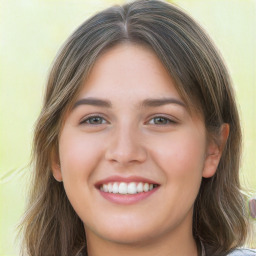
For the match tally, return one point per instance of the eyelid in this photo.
(85, 118)
(171, 120)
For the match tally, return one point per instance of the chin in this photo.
(124, 233)
(132, 237)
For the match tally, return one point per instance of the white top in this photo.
(243, 252)
(236, 252)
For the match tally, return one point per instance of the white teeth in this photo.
(110, 189)
(115, 188)
(140, 187)
(122, 188)
(105, 188)
(126, 188)
(132, 189)
(146, 187)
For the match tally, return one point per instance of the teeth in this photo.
(115, 188)
(145, 187)
(110, 189)
(122, 188)
(140, 187)
(127, 188)
(105, 188)
(131, 188)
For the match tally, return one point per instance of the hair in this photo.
(50, 225)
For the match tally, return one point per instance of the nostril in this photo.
(126, 151)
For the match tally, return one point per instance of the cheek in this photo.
(182, 155)
(79, 154)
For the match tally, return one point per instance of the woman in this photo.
(137, 147)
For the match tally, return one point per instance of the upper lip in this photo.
(117, 178)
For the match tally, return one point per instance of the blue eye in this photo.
(94, 120)
(160, 120)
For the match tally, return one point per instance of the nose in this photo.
(126, 147)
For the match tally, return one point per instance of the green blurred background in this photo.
(31, 32)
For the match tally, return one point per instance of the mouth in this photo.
(126, 190)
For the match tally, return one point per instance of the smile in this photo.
(127, 188)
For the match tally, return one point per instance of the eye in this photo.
(160, 120)
(94, 120)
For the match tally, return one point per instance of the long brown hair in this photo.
(220, 221)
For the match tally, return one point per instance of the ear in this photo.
(214, 151)
(55, 166)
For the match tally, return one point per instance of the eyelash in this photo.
(84, 121)
(167, 120)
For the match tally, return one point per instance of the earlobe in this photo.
(214, 152)
(56, 172)
(55, 166)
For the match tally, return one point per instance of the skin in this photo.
(129, 140)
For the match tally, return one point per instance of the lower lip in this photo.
(128, 198)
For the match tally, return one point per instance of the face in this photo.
(129, 131)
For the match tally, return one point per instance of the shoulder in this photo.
(243, 252)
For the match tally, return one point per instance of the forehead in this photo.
(131, 72)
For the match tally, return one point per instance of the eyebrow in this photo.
(93, 102)
(161, 102)
(146, 103)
